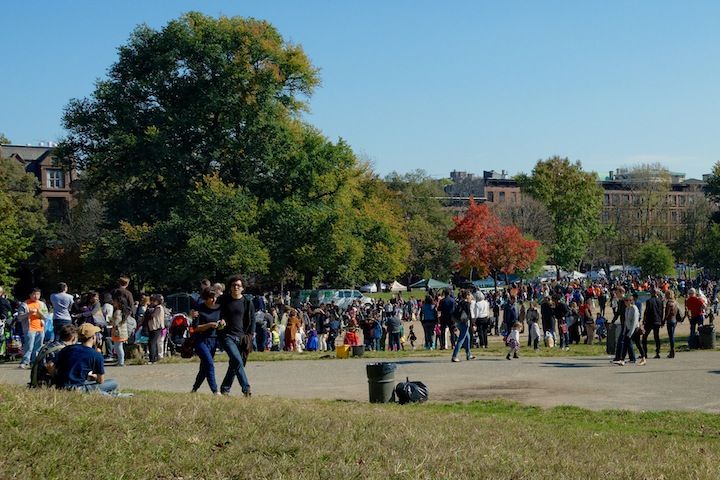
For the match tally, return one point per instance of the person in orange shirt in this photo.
(33, 322)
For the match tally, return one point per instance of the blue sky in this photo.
(467, 85)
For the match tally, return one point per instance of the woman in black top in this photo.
(206, 320)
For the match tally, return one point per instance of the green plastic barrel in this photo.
(381, 381)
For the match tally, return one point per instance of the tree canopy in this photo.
(655, 259)
(195, 147)
(573, 199)
(22, 221)
(432, 253)
(488, 246)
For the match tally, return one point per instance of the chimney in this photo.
(610, 175)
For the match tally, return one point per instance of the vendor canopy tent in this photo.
(430, 283)
(397, 287)
(575, 275)
(486, 282)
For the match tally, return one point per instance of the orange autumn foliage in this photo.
(489, 246)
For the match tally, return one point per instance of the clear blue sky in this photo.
(467, 85)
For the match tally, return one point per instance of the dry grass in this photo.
(51, 434)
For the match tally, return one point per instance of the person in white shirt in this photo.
(481, 316)
(632, 323)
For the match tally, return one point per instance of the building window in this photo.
(55, 178)
(490, 196)
(606, 199)
(502, 196)
(514, 197)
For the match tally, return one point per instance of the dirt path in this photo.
(691, 381)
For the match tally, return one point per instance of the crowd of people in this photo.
(553, 314)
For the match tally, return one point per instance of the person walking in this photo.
(463, 319)
(237, 322)
(653, 319)
(672, 313)
(206, 319)
(631, 324)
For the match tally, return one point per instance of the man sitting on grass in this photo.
(81, 366)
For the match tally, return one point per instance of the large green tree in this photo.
(655, 259)
(432, 253)
(221, 98)
(197, 96)
(573, 198)
(22, 221)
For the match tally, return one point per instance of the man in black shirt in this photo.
(236, 331)
(653, 320)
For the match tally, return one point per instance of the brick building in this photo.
(55, 184)
(623, 199)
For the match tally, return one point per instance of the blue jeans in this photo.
(236, 368)
(106, 387)
(205, 349)
(463, 340)
(32, 342)
(628, 349)
(671, 335)
(395, 341)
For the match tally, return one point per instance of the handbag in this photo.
(187, 349)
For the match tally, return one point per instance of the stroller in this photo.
(178, 331)
(11, 338)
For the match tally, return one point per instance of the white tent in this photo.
(575, 275)
(397, 287)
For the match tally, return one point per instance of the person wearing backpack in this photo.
(463, 317)
(42, 373)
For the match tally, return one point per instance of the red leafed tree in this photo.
(488, 246)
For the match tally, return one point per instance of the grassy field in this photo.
(52, 434)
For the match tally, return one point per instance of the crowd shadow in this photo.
(568, 365)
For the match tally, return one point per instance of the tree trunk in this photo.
(307, 280)
(557, 272)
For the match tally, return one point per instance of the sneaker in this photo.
(455, 359)
(24, 366)
(508, 357)
(217, 394)
(619, 362)
(247, 394)
(471, 357)
(657, 355)
(642, 362)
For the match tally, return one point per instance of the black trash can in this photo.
(381, 381)
(612, 335)
(707, 336)
(358, 350)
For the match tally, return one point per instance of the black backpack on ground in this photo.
(411, 392)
